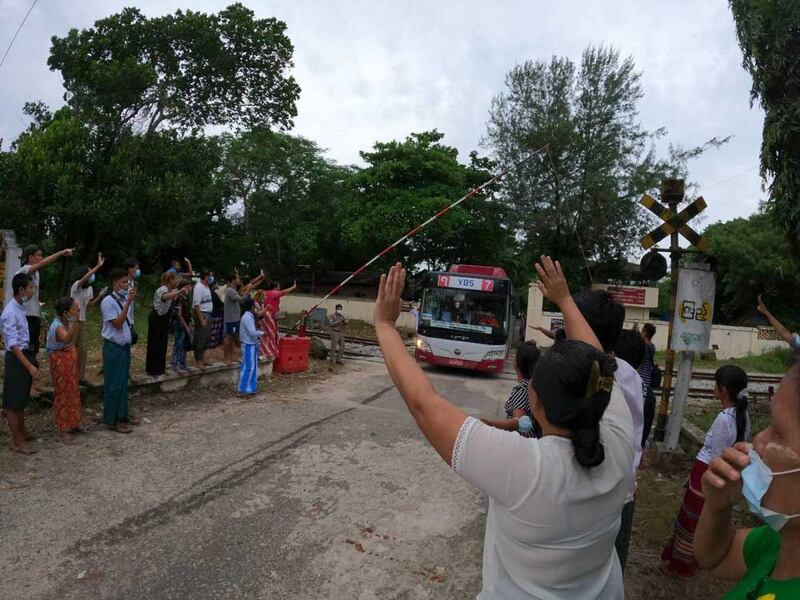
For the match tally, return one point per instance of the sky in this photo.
(378, 70)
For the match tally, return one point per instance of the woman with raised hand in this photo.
(33, 261)
(731, 425)
(82, 292)
(554, 502)
(763, 560)
(63, 354)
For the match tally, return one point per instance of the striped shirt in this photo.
(519, 400)
(646, 368)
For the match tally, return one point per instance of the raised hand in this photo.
(761, 307)
(722, 482)
(388, 304)
(552, 282)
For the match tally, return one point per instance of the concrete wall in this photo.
(353, 308)
(11, 264)
(727, 341)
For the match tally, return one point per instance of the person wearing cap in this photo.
(82, 292)
(33, 261)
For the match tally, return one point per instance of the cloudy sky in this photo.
(377, 70)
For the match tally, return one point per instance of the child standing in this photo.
(731, 425)
(249, 337)
(518, 403)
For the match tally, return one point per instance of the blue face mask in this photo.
(211, 280)
(137, 274)
(756, 479)
(91, 280)
(122, 294)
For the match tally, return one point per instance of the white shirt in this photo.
(248, 334)
(631, 383)
(15, 325)
(111, 310)
(552, 523)
(81, 295)
(722, 435)
(201, 297)
(32, 308)
(160, 305)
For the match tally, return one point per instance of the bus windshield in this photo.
(465, 312)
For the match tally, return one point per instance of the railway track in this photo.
(764, 379)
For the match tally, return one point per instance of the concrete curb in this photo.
(144, 385)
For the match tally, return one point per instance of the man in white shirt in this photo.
(606, 317)
(202, 306)
(20, 367)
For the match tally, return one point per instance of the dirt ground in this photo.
(658, 499)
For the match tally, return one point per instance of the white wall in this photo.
(353, 308)
(726, 341)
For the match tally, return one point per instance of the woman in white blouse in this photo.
(555, 502)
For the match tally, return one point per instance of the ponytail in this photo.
(742, 401)
(733, 380)
(573, 381)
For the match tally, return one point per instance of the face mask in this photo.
(212, 279)
(137, 274)
(338, 311)
(25, 299)
(756, 479)
(122, 294)
(91, 279)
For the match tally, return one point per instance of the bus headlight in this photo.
(423, 346)
(495, 355)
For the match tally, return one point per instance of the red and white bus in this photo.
(466, 318)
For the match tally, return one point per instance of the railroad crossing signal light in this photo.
(674, 222)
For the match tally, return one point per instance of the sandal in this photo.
(134, 420)
(120, 428)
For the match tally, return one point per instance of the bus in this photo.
(466, 318)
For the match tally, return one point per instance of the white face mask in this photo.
(756, 479)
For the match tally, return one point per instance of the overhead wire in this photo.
(16, 33)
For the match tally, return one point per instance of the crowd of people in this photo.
(186, 306)
(560, 469)
(562, 493)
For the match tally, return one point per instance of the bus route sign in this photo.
(466, 283)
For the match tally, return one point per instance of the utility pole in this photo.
(672, 191)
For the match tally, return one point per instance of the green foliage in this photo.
(404, 184)
(769, 35)
(288, 201)
(599, 160)
(189, 70)
(752, 257)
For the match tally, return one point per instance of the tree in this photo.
(578, 201)
(189, 70)
(288, 200)
(769, 35)
(149, 197)
(405, 183)
(750, 258)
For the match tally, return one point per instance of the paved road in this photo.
(328, 493)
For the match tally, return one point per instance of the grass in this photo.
(773, 362)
